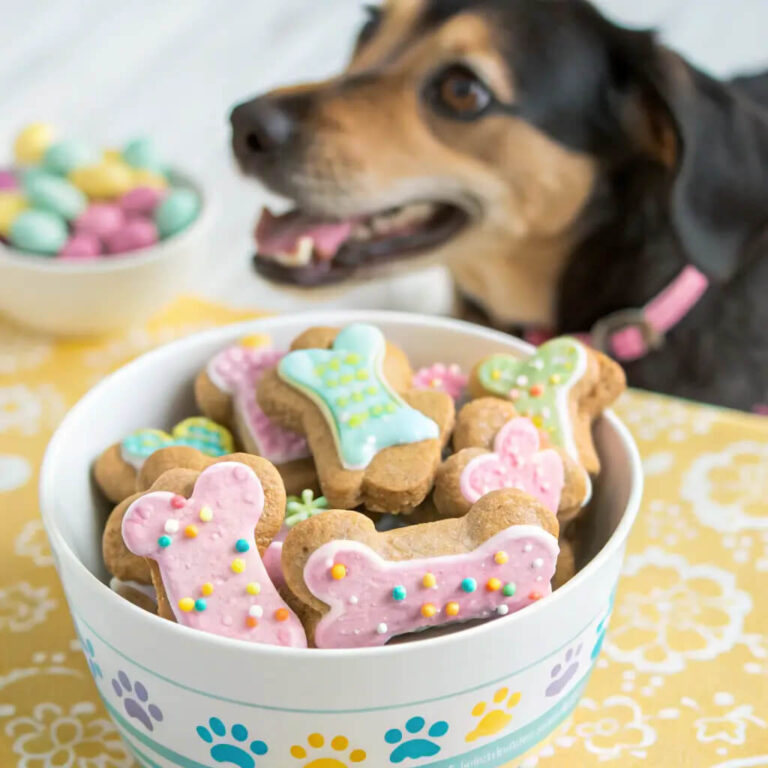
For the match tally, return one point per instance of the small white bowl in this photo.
(209, 690)
(72, 298)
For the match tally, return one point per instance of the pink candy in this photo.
(81, 246)
(8, 180)
(141, 201)
(101, 220)
(137, 233)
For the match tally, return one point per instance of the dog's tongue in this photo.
(277, 235)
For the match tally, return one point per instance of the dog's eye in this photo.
(460, 92)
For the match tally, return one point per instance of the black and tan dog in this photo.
(567, 169)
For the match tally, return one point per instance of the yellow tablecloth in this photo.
(683, 678)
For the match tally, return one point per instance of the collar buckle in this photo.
(636, 334)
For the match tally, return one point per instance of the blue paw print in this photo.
(90, 657)
(236, 754)
(416, 746)
(602, 627)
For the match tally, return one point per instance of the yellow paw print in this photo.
(339, 744)
(496, 719)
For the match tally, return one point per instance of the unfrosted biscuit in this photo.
(563, 386)
(115, 471)
(514, 454)
(374, 443)
(360, 587)
(225, 390)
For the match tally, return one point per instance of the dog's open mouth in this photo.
(305, 250)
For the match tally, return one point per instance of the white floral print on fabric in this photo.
(23, 606)
(15, 472)
(21, 351)
(27, 409)
(78, 738)
(33, 542)
(651, 417)
(728, 489)
(618, 729)
(693, 612)
(730, 727)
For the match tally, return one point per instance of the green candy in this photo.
(142, 153)
(65, 156)
(38, 231)
(54, 194)
(176, 212)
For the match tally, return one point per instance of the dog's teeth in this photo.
(300, 256)
(362, 232)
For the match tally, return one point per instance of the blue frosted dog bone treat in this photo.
(347, 384)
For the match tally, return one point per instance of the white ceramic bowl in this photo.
(94, 297)
(385, 701)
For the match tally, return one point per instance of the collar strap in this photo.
(631, 334)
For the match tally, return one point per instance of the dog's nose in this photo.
(261, 125)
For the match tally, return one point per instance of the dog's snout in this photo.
(260, 126)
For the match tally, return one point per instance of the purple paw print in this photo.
(137, 707)
(563, 673)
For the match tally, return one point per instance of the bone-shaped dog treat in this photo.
(516, 462)
(361, 587)
(208, 570)
(372, 445)
(496, 448)
(237, 371)
(561, 387)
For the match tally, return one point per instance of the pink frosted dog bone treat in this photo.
(442, 377)
(237, 370)
(516, 462)
(372, 600)
(209, 565)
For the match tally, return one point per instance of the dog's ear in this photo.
(715, 142)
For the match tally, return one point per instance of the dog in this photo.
(577, 177)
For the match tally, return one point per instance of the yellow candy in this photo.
(31, 143)
(11, 205)
(146, 178)
(106, 180)
(255, 340)
(237, 565)
(186, 604)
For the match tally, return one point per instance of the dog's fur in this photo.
(620, 164)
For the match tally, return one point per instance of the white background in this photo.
(106, 71)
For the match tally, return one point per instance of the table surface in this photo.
(682, 677)
(108, 71)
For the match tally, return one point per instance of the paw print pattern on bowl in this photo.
(416, 745)
(136, 702)
(90, 657)
(494, 720)
(233, 750)
(563, 672)
(339, 745)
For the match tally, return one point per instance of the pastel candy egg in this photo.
(31, 143)
(137, 233)
(52, 193)
(177, 211)
(141, 200)
(38, 231)
(12, 203)
(8, 180)
(142, 153)
(64, 156)
(81, 246)
(100, 220)
(105, 180)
